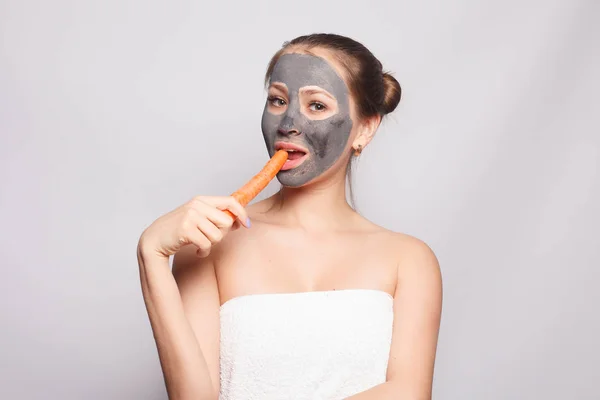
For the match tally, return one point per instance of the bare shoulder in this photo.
(411, 249)
(413, 256)
(418, 270)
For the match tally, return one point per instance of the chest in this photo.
(275, 262)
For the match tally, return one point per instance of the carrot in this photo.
(250, 190)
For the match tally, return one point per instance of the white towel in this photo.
(311, 345)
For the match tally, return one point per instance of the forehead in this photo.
(299, 70)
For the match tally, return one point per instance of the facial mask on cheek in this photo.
(325, 139)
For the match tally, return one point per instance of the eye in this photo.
(316, 106)
(276, 101)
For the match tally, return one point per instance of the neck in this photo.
(317, 206)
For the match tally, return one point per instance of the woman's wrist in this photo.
(148, 255)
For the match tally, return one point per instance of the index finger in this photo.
(230, 206)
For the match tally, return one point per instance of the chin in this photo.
(289, 181)
(297, 181)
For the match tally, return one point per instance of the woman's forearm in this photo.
(184, 367)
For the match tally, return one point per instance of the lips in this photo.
(296, 154)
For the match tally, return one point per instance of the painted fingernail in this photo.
(248, 222)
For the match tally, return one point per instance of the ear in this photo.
(366, 131)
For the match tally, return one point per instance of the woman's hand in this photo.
(200, 222)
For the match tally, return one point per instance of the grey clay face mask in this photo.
(325, 139)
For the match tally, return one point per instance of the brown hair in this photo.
(374, 91)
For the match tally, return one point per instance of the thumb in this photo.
(236, 225)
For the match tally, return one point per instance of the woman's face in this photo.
(308, 109)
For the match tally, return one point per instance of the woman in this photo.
(310, 300)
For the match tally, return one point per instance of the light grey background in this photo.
(114, 112)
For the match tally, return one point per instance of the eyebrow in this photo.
(317, 91)
(280, 86)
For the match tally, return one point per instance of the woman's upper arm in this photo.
(197, 283)
(417, 313)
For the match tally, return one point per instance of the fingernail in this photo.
(248, 222)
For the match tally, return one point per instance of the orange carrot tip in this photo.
(254, 186)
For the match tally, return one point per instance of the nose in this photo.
(289, 132)
(287, 127)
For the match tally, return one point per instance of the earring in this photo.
(358, 150)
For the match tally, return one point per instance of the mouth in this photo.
(296, 154)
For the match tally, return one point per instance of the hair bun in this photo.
(391, 93)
